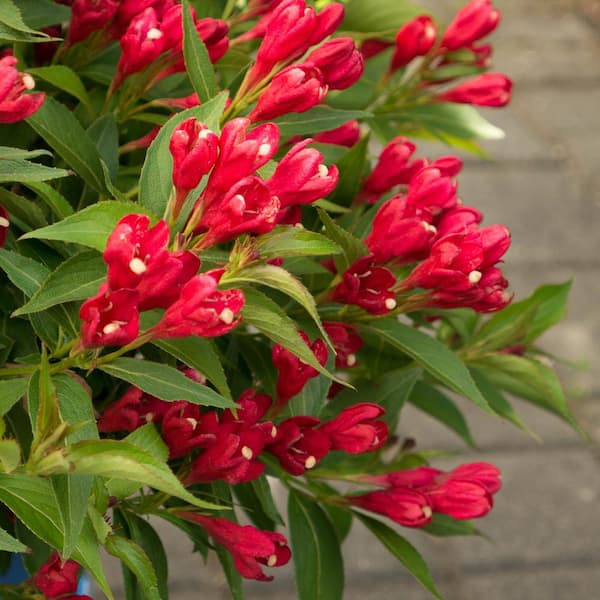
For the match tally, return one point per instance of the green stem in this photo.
(19, 370)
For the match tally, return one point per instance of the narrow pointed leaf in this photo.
(11, 391)
(10, 544)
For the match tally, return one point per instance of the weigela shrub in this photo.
(227, 265)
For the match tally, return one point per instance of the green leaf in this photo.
(64, 78)
(436, 404)
(137, 562)
(10, 15)
(432, 355)
(23, 171)
(256, 499)
(10, 544)
(8, 152)
(197, 61)
(403, 551)
(77, 278)
(319, 118)
(200, 354)
(65, 135)
(73, 490)
(164, 382)
(351, 167)
(317, 558)
(76, 408)
(352, 247)
(90, 226)
(457, 120)
(11, 391)
(264, 314)
(378, 16)
(123, 460)
(105, 133)
(57, 203)
(282, 280)
(43, 13)
(445, 526)
(286, 241)
(25, 273)
(156, 179)
(10, 455)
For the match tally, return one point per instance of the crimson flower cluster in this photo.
(411, 497)
(57, 578)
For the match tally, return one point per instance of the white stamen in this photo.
(154, 34)
(310, 462)
(366, 274)
(204, 134)
(264, 149)
(427, 511)
(28, 81)
(247, 453)
(390, 304)
(474, 276)
(298, 226)
(192, 422)
(138, 266)
(149, 416)
(4, 222)
(238, 203)
(272, 560)
(323, 171)
(351, 360)
(429, 227)
(110, 328)
(227, 316)
(273, 431)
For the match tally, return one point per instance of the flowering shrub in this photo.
(226, 264)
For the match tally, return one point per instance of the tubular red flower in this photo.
(201, 310)
(488, 89)
(301, 177)
(367, 286)
(347, 135)
(431, 190)
(460, 219)
(340, 62)
(473, 21)
(355, 430)
(295, 89)
(15, 104)
(372, 47)
(56, 577)
(346, 341)
(249, 547)
(298, 444)
(415, 38)
(89, 16)
(110, 318)
(4, 224)
(293, 372)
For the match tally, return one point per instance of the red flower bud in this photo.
(340, 62)
(56, 577)
(367, 286)
(194, 149)
(373, 47)
(201, 310)
(461, 499)
(248, 546)
(328, 20)
(4, 224)
(298, 445)
(488, 89)
(110, 318)
(346, 341)
(431, 190)
(295, 89)
(15, 104)
(88, 16)
(448, 166)
(473, 21)
(406, 507)
(355, 429)
(213, 32)
(301, 177)
(293, 372)
(415, 38)
(347, 135)
(460, 219)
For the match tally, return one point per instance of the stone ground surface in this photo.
(545, 185)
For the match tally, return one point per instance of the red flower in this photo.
(415, 38)
(340, 62)
(56, 577)
(181, 431)
(406, 507)
(347, 135)
(301, 177)
(4, 224)
(201, 310)
(488, 89)
(473, 21)
(460, 219)
(110, 318)
(448, 166)
(15, 104)
(249, 547)
(298, 445)
(346, 342)
(367, 286)
(88, 16)
(293, 372)
(295, 89)
(432, 190)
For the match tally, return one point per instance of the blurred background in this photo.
(542, 540)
